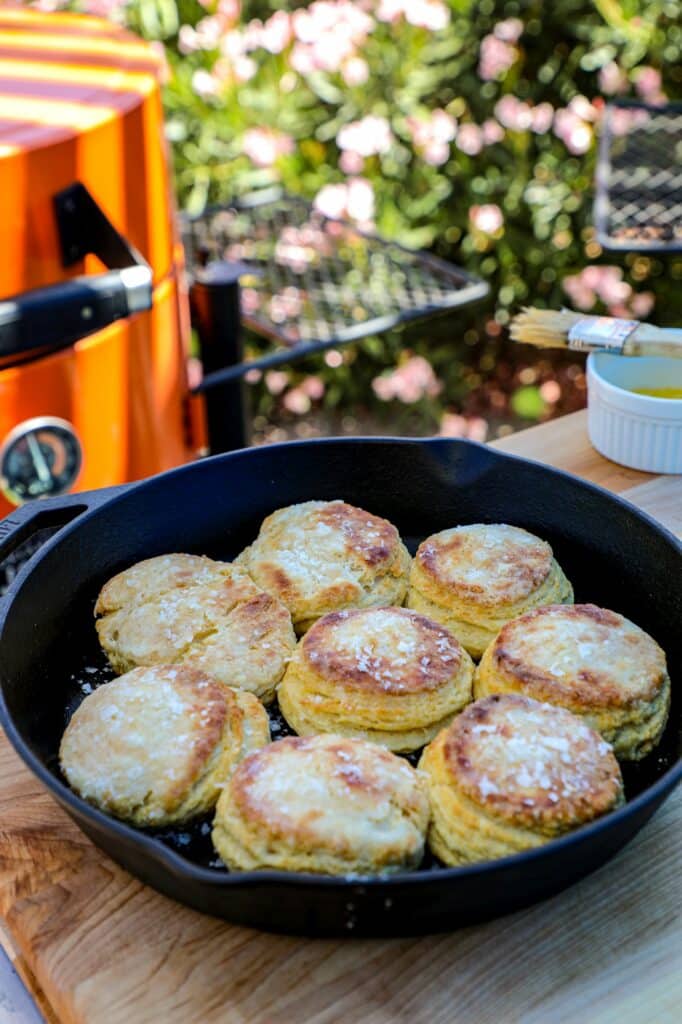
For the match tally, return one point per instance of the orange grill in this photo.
(80, 102)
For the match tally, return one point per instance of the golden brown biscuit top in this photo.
(172, 575)
(330, 790)
(151, 731)
(318, 544)
(158, 609)
(582, 653)
(530, 762)
(486, 564)
(390, 650)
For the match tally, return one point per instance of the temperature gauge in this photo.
(38, 459)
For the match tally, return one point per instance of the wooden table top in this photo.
(95, 946)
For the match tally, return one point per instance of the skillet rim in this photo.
(180, 866)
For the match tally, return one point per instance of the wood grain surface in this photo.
(101, 948)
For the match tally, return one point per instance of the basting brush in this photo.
(566, 329)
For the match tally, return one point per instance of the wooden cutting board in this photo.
(95, 946)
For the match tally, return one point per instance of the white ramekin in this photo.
(635, 430)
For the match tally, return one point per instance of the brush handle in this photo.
(648, 340)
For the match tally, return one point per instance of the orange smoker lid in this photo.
(79, 101)
(63, 74)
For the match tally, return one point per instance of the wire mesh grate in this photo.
(318, 280)
(638, 204)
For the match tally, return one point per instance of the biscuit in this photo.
(324, 804)
(473, 579)
(381, 674)
(190, 610)
(594, 662)
(509, 774)
(155, 746)
(323, 556)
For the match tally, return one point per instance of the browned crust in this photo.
(275, 580)
(437, 662)
(587, 688)
(575, 785)
(266, 814)
(355, 523)
(529, 568)
(207, 699)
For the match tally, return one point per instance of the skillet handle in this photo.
(49, 513)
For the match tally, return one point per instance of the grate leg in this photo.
(214, 302)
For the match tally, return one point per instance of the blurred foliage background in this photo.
(469, 128)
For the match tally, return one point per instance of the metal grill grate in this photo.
(319, 282)
(638, 203)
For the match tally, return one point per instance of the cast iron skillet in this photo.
(616, 557)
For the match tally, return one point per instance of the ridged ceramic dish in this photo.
(635, 430)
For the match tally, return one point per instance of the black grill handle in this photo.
(48, 319)
(26, 520)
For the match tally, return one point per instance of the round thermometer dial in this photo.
(38, 459)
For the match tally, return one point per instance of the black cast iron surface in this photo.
(615, 556)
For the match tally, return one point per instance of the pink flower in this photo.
(436, 153)
(287, 304)
(204, 84)
(331, 201)
(296, 401)
(409, 382)
(648, 85)
(313, 387)
(355, 199)
(208, 33)
(541, 117)
(432, 134)
(612, 79)
(112, 9)
(188, 40)
(509, 30)
(301, 59)
(488, 218)
(366, 137)
(492, 131)
(350, 162)
(390, 10)
(581, 107)
(229, 10)
(264, 147)
(513, 113)
(277, 32)
(276, 381)
(574, 132)
(454, 425)
(244, 68)
(550, 391)
(355, 71)
(469, 139)
(606, 283)
(624, 119)
(442, 126)
(360, 201)
(495, 58)
(429, 14)
(330, 50)
(642, 303)
(328, 34)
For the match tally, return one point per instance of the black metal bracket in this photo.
(216, 316)
(48, 319)
(84, 229)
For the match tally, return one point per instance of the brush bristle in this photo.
(545, 328)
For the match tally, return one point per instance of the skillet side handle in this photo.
(48, 513)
